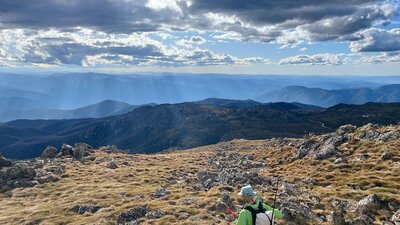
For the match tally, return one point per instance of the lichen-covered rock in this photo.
(155, 214)
(162, 192)
(348, 128)
(338, 218)
(132, 215)
(112, 165)
(49, 153)
(81, 209)
(66, 150)
(369, 204)
(362, 220)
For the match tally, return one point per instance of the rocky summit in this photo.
(347, 177)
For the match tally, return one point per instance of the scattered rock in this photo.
(162, 192)
(112, 165)
(132, 215)
(49, 152)
(338, 218)
(66, 150)
(369, 204)
(306, 147)
(82, 209)
(389, 136)
(362, 220)
(362, 157)
(348, 128)
(340, 160)
(396, 217)
(4, 162)
(155, 214)
(326, 151)
(387, 156)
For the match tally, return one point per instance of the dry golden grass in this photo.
(130, 186)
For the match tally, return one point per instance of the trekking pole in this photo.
(276, 194)
(230, 210)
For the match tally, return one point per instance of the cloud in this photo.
(262, 20)
(89, 48)
(387, 57)
(317, 59)
(377, 40)
(194, 40)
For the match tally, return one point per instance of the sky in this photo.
(308, 37)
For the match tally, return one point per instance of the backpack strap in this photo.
(253, 213)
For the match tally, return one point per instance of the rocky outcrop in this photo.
(66, 150)
(49, 153)
(322, 147)
(4, 162)
(369, 204)
(29, 173)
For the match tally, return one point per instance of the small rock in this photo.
(112, 165)
(326, 151)
(348, 128)
(155, 214)
(162, 192)
(49, 153)
(362, 157)
(339, 160)
(362, 220)
(396, 218)
(81, 209)
(66, 150)
(369, 204)
(387, 156)
(132, 214)
(4, 162)
(338, 218)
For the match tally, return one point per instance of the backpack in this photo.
(260, 215)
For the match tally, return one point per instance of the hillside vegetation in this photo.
(152, 129)
(350, 174)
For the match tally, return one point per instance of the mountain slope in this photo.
(186, 125)
(101, 109)
(359, 185)
(326, 98)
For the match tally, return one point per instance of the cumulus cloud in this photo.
(262, 20)
(194, 40)
(90, 48)
(92, 32)
(317, 59)
(377, 40)
(387, 57)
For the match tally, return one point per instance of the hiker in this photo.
(254, 208)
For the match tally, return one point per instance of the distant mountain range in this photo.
(75, 90)
(101, 109)
(185, 125)
(326, 98)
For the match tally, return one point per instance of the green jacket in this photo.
(245, 217)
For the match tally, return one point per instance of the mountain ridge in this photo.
(326, 98)
(150, 129)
